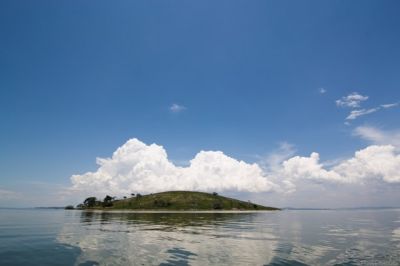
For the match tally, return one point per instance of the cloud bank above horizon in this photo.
(137, 167)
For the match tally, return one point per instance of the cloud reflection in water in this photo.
(171, 238)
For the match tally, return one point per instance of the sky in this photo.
(285, 103)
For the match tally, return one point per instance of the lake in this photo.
(312, 237)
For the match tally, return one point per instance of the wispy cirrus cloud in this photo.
(8, 194)
(274, 159)
(378, 136)
(357, 113)
(177, 108)
(353, 100)
(389, 105)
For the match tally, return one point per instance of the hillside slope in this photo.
(185, 200)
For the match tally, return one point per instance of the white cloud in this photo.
(381, 163)
(137, 167)
(274, 160)
(322, 90)
(372, 162)
(389, 105)
(308, 168)
(8, 194)
(378, 136)
(357, 113)
(352, 100)
(176, 108)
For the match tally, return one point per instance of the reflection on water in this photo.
(396, 235)
(171, 238)
(54, 237)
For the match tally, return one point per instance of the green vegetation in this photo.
(90, 202)
(108, 201)
(173, 200)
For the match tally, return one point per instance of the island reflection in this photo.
(110, 238)
(179, 219)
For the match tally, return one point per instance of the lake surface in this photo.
(58, 237)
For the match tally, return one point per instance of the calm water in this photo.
(58, 237)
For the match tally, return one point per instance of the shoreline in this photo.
(176, 211)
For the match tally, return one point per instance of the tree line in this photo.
(93, 202)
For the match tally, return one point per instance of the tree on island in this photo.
(107, 202)
(90, 202)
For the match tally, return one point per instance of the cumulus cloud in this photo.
(357, 113)
(137, 167)
(322, 90)
(308, 168)
(353, 100)
(373, 162)
(378, 136)
(176, 108)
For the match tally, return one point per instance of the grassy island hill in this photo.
(174, 200)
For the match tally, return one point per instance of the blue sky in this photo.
(80, 78)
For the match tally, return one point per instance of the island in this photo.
(172, 201)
